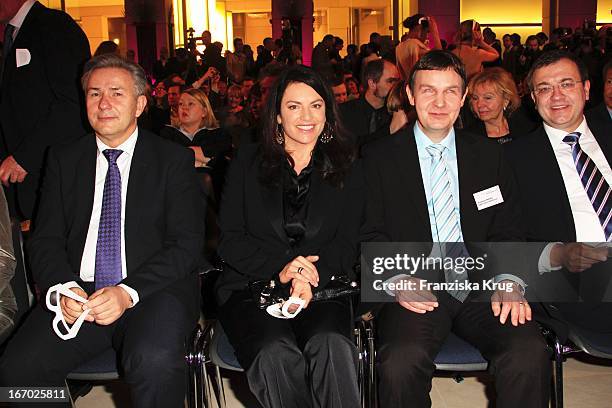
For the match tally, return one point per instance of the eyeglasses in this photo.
(564, 86)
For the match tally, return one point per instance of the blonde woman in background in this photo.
(494, 99)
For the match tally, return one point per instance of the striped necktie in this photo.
(595, 185)
(446, 228)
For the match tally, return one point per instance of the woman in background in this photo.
(472, 48)
(494, 100)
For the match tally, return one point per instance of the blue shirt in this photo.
(425, 161)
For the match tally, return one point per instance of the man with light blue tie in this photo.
(564, 177)
(120, 224)
(433, 183)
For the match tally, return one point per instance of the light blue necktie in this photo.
(446, 228)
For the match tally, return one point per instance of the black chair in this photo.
(218, 352)
(574, 339)
(455, 356)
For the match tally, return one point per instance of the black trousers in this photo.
(408, 343)
(149, 339)
(308, 361)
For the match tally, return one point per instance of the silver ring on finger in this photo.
(299, 270)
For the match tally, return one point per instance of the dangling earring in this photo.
(279, 135)
(327, 134)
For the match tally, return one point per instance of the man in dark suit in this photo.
(40, 99)
(366, 118)
(603, 111)
(121, 223)
(425, 184)
(564, 176)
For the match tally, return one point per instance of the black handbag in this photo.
(266, 293)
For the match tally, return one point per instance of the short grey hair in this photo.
(115, 61)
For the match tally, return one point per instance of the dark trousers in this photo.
(308, 361)
(408, 343)
(149, 339)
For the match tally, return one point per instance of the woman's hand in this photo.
(200, 159)
(478, 38)
(301, 269)
(302, 290)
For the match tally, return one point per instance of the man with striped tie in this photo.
(425, 184)
(564, 177)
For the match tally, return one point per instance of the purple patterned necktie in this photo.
(597, 189)
(108, 248)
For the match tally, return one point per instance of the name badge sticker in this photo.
(488, 198)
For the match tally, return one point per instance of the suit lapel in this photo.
(603, 139)
(137, 191)
(468, 184)
(84, 189)
(23, 40)
(409, 173)
(321, 197)
(272, 198)
(546, 170)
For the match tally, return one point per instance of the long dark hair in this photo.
(331, 160)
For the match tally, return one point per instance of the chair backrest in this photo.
(221, 351)
(592, 343)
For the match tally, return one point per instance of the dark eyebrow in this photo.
(299, 103)
(562, 80)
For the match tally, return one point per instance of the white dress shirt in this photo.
(587, 224)
(124, 162)
(19, 18)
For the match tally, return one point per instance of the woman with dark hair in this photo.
(290, 217)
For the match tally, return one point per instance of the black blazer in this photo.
(519, 125)
(599, 113)
(164, 217)
(40, 103)
(213, 142)
(548, 218)
(397, 206)
(399, 212)
(543, 198)
(253, 241)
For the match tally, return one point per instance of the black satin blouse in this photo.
(295, 201)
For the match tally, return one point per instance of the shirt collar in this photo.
(18, 19)
(422, 142)
(556, 135)
(127, 146)
(609, 111)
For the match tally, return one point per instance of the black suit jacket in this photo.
(543, 198)
(164, 217)
(356, 115)
(40, 103)
(599, 114)
(253, 241)
(548, 214)
(397, 206)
